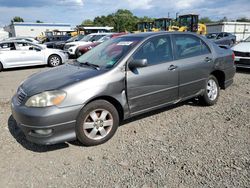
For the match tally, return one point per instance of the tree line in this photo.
(125, 20)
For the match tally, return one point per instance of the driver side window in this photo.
(156, 50)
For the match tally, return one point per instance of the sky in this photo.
(75, 11)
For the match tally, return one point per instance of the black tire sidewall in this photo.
(60, 59)
(1, 67)
(205, 98)
(98, 104)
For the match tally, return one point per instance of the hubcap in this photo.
(212, 89)
(98, 124)
(55, 61)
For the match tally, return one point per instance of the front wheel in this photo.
(54, 60)
(97, 123)
(212, 91)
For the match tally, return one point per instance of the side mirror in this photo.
(136, 63)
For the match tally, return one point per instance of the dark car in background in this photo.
(84, 48)
(222, 38)
(120, 78)
(61, 44)
(51, 40)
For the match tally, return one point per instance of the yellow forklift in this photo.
(190, 22)
(163, 24)
(144, 26)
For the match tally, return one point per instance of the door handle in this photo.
(208, 59)
(172, 67)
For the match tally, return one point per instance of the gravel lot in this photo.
(186, 145)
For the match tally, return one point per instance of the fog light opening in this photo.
(43, 131)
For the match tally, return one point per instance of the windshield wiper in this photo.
(90, 65)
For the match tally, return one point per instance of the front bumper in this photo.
(60, 121)
(242, 62)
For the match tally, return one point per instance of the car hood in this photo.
(57, 78)
(78, 43)
(242, 47)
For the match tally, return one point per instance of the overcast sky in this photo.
(75, 11)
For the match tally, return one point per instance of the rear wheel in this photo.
(211, 93)
(54, 60)
(97, 123)
(1, 67)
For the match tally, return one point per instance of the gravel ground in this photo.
(186, 145)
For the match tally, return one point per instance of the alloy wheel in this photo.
(98, 124)
(212, 89)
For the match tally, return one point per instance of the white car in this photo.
(27, 39)
(71, 47)
(242, 53)
(18, 53)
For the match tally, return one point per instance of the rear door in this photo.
(156, 84)
(194, 61)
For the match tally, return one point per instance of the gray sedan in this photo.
(222, 38)
(119, 79)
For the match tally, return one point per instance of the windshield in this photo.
(107, 37)
(75, 38)
(248, 39)
(107, 54)
(212, 35)
(87, 38)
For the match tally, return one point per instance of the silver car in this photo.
(16, 53)
(121, 78)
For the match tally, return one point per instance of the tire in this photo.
(93, 129)
(212, 91)
(1, 67)
(78, 53)
(54, 60)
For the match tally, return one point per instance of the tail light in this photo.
(233, 56)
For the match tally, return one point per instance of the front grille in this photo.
(21, 95)
(241, 54)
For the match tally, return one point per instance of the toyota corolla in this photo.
(119, 79)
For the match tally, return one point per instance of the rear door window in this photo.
(189, 46)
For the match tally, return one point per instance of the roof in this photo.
(149, 34)
(189, 14)
(104, 28)
(41, 24)
(101, 33)
(228, 23)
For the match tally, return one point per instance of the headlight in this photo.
(45, 99)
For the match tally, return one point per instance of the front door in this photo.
(157, 83)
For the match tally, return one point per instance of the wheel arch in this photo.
(52, 55)
(220, 76)
(114, 102)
